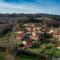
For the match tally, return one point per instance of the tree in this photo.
(11, 46)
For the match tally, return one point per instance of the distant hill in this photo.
(15, 17)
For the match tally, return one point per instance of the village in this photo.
(31, 37)
(33, 34)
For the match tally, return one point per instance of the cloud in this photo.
(16, 8)
(38, 7)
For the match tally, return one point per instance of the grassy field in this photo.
(22, 57)
(49, 50)
(2, 56)
(26, 58)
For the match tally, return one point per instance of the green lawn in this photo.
(22, 57)
(2, 56)
(51, 50)
(26, 58)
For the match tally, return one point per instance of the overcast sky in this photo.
(30, 6)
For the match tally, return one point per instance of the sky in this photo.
(30, 6)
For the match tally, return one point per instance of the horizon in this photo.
(30, 6)
(30, 13)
